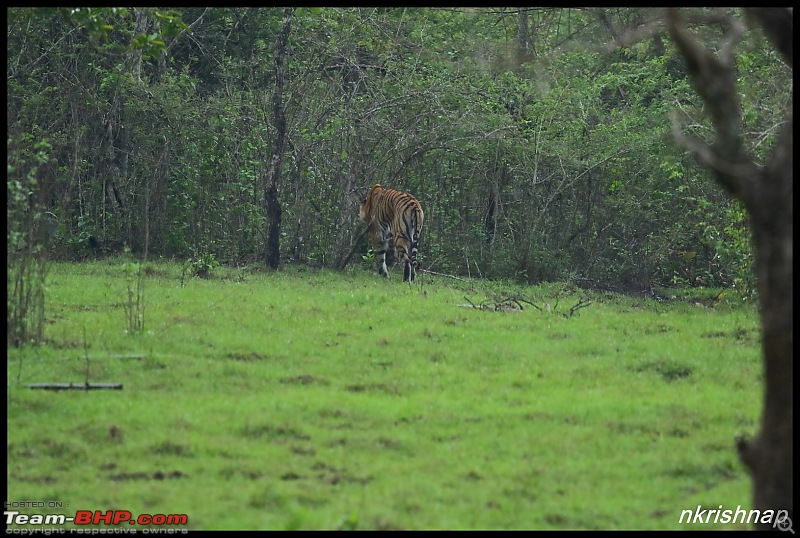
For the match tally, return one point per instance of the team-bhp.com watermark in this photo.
(91, 522)
(779, 519)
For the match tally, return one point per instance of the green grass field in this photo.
(321, 400)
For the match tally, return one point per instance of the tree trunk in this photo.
(134, 55)
(523, 36)
(767, 195)
(769, 455)
(273, 255)
(496, 175)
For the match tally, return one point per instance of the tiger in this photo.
(394, 221)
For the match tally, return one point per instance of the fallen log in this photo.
(75, 386)
(129, 356)
(443, 274)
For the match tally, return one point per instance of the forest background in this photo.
(538, 152)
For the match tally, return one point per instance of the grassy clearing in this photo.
(315, 399)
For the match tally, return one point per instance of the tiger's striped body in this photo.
(395, 221)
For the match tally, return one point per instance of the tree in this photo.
(535, 158)
(273, 255)
(766, 192)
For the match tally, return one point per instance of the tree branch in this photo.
(715, 81)
(778, 27)
(346, 259)
(189, 29)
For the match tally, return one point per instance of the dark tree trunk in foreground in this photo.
(273, 255)
(767, 194)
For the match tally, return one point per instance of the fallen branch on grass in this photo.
(507, 303)
(75, 386)
(443, 274)
(134, 357)
(581, 304)
(514, 303)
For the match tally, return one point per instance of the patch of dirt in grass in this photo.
(658, 328)
(372, 387)
(304, 451)
(474, 476)
(705, 478)
(667, 369)
(158, 475)
(408, 420)
(715, 334)
(304, 379)
(172, 449)
(25, 451)
(740, 334)
(332, 475)
(573, 521)
(383, 525)
(390, 444)
(627, 428)
(558, 336)
(273, 433)
(58, 450)
(556, 519)
(230, 473)
(91, 308)
(540, 416)
(42, 479)
(290, 476)
(331, 413)
(246, 357)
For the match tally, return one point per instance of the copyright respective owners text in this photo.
(53, 517)
(47, 531)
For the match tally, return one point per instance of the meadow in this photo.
(314, 399)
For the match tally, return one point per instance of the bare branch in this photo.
(781, 162)
(444, 274)
(346, 259)
(582, 303)
(190, 28)
(524, 300)
(644, 31)
(715, 82)
(709, 158)
(735, 31)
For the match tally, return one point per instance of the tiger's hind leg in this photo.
(409, 272)
(410, 269)
(413, 265)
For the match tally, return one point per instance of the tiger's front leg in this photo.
(381, 263)
(380, 258)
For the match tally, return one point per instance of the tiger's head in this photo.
(368, 203)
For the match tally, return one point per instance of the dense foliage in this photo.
(537, 152)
